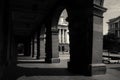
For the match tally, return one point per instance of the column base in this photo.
(27, 55)
(42, 57)
(37, 57)
(77, 68)
(97, 69)
(86, 69)
(52, 60)
(1, 72)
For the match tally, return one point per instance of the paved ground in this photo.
(58, 71)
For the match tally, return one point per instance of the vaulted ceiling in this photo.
(27, 14)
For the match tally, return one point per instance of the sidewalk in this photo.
(58, 71)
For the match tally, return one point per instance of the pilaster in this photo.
(27, 48)
(42, 47)
(38, 45)
(97, 67)
(33, 47)
(85, 29)
(52, 55)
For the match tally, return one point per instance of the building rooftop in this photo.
(113, 19)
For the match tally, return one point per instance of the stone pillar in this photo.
(118, 33)
(85, 26)
(42, 47)
(63, 33)
(119, 28)
(119, 24)
(3, 49)
(97, 67)
(38, 45)
(8, 56)
(52, 55)
(59, 35)
(33, 47)
(65, 36)
(27, 48)
(114, 28)
(13, 55)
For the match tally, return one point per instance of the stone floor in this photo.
(58, 71)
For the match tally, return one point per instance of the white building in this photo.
(114, 26)
(63, 33)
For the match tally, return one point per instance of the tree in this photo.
(111, 43)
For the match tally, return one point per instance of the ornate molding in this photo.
(99, 2)
(54, 30)
(98, 10)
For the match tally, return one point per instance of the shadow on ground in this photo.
(116, 68)
(17, 72)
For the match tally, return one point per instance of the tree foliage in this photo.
(111, 42)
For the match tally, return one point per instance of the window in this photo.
(116, 25)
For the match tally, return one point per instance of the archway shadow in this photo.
(116, 68)
(18, 72)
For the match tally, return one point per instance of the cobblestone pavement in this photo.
(58, 71)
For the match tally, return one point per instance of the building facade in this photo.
(114, 26)
(63, 34)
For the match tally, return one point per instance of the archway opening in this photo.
(45, 43)
(20, 49)
(63, 36)
(111, 34)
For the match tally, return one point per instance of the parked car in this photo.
(110, 61)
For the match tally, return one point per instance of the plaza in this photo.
(38, 70)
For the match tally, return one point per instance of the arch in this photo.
(52, 40)
(56, 27)
(56, 16)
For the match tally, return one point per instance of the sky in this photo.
(113, 10)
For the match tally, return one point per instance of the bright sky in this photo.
(113, 11)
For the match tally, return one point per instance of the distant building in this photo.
(114, 26)
(63, 34)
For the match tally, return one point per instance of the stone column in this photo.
(118, 29)
(33, 47)
(85, 26)
(6, 40)
(118, 33)
(59, 35)
(119, 24)
(114, 27)
(65, 36)
(63, 33)
(27, 48)
(68, 37)
(13, 52)
(38, 45)
(97, 67)
(42, 47)
(52, 55)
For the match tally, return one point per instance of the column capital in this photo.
(42, 37)
(54, 31)
(99, 2)
(98, 10)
